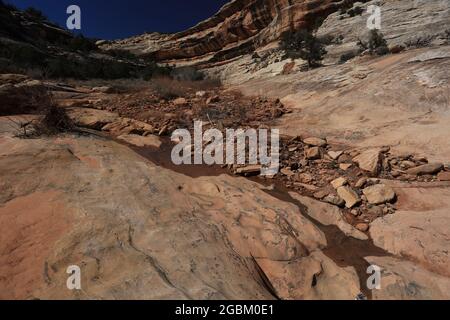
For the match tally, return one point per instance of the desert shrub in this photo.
(347, 56)
(167, 88)
(35, 14)
(420, 41)
(21, 56)
(187, 74)
(22, 99)
(153, 70)
(122, 54)
(356, 11)
(80, 43)
(53, 120)
(376, 43)
(305, 45)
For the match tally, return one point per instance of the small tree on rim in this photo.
(304, 44)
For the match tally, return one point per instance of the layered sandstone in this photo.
(239, 27)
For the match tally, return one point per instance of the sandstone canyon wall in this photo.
(239, 27)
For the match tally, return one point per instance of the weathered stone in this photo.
(350, 197)
(406, 280)
(339, 182)
(363, 227)
(180, 101)
(379, 194)
(345, 166)
(425, 169)
(444, 176)
(333, 199)
(369, 160)
(141, 141)
(361, 182)
(321, 194)
(335, 154)
(315, 142)
(252, 169)
(313, 153)
(287, 172)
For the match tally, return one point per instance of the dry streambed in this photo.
(148, 229)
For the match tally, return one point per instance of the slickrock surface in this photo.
(112, 213)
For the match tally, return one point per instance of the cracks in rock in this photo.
(154, 263)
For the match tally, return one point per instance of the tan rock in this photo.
(315, 142)
(431, 168)
(379, 194)
(313, 153)
(287, 172)
(309, 278)
(405, 280)
(91, 118)
(251, 169)
(361, 182)
(369, 160)
(350, 197)
(328, 214)
(444, 176)
(141, 141)
(339, 182)
(345, 166)
(363, 227)
(334, 199)
(335, 154)
(180, 101)
(423, 236)
(321, 194)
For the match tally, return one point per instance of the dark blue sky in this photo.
(113, 19)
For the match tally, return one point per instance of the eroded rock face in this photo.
(112, 213)
(404, 280)
(238, 28)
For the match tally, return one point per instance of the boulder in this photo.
(425, 169)
(423, 236)
(335, 154)
(379, 194)
(405, 280)
(369, 160)
(350, 197)
(334, 199)
(339, 182)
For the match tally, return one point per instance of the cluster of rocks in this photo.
(350, 179)
(221, 109)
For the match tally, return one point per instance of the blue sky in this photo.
(114, 19)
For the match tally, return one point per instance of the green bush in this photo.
(305, 45)
(376, 43)
(347, 56)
